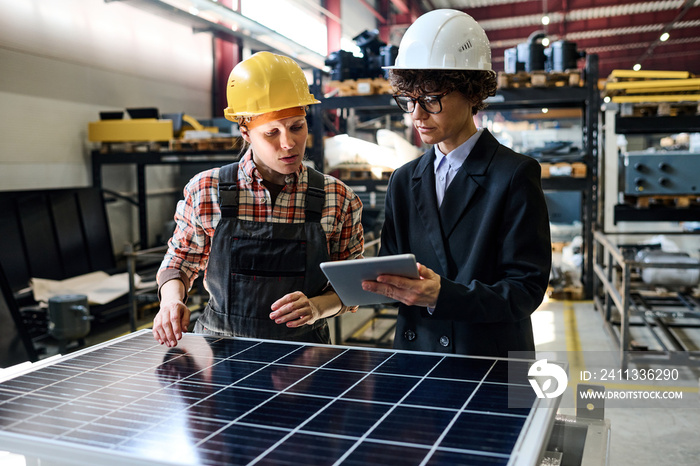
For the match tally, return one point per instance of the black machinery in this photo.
(375, 54)
(532, 55)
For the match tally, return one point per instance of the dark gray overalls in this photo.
(253, 264)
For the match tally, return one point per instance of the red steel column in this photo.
(226, 55)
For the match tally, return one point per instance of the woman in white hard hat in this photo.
(471, 210)
(261, 227)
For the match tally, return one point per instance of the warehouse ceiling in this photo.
(622, 33)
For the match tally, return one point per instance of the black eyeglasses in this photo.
(429, 103)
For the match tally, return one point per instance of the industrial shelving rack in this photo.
(375, 103)
(662, 314)
(145, 257)
(617, 286)
(140, 160)
(616, 124)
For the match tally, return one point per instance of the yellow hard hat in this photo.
(264, 83)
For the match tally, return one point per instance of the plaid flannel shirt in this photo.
(198, 214)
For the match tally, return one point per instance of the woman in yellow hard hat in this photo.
(261, 226)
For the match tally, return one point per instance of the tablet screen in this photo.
(346, 276)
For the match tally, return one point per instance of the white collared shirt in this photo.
(446, 166)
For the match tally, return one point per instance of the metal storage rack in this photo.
(145, 256)
(615, 268)
(371, 191)
(140, 160)
(619, 297)
(615, 124)
(382, 104)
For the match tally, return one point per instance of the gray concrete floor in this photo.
(640, 435)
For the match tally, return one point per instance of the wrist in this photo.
(172, 291)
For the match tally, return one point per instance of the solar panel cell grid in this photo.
(218, 400)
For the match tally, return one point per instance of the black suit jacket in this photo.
(489, 241)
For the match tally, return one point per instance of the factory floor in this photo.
(640, 435)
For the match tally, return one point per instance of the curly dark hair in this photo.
(472, 83)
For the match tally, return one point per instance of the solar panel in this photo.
(217, 400)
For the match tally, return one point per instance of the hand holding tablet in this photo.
(347, 276)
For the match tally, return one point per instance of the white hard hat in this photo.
(444, 40)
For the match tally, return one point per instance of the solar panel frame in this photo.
(128, 414)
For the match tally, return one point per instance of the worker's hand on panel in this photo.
(171, 322)
(294, 310)
(422, 291)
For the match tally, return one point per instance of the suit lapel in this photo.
(423, 192)
(466, 182)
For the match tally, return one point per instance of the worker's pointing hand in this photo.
(171, 322)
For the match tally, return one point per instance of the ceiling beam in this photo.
(401, 6)
(501, 18)
(376, 14)
(684, 9)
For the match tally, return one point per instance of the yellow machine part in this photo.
(656, 98)
(142, 129)
(197, 126)
(656, 85)
(649, 74)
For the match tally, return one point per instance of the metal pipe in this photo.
(624, 313)
(610, 289)
(131, 268)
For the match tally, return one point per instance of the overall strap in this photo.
(315, 196)
(228, 190)
(228, 193)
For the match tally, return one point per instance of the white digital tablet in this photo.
(346, 276)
